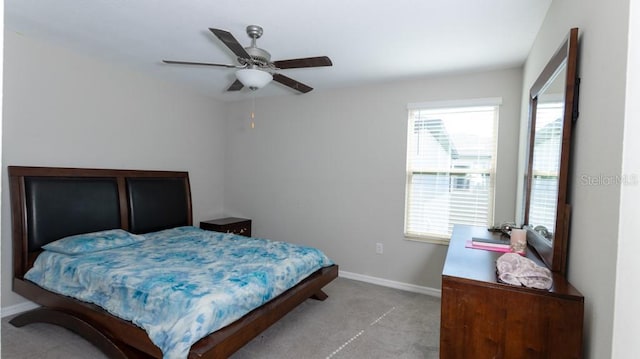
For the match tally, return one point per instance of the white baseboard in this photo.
(28, 305)
(392, 284)
(18, 308)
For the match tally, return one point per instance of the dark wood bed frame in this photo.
(141, 200)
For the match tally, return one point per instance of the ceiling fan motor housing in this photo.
(258, 55)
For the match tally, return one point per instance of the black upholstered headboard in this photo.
(156, 203)
(50, 203)
(59, 207)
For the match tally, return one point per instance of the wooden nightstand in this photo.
(240, 226)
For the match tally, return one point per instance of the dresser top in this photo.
(480, 265)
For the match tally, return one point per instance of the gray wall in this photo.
(597, 150)
(328, 169)
(64, 109)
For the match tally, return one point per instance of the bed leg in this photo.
(74, 324)
(320, 295)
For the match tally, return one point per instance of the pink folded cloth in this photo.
(517, 270)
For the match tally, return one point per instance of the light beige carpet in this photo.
(358, 320)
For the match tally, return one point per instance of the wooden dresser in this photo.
(481, 318)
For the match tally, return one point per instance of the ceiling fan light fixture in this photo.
(253, 79)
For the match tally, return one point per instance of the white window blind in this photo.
(450, 167)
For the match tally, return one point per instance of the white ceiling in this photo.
(368, 41)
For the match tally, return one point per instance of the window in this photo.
(451, 151)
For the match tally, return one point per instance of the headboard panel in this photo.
(48, 203)
(60, 207)
(156, 204)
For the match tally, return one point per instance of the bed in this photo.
(52, 203)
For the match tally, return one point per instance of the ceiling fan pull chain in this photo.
(253, 110)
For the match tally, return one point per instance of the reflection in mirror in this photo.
(553, 107)
(545, 168)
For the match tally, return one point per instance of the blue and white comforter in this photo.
(180, 284)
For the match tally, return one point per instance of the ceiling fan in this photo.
(255, 68)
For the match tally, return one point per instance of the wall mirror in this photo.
(552, 110)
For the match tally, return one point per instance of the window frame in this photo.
(491, 172)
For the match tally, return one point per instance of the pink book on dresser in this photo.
(475, 243)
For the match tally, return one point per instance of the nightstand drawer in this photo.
(234, 225)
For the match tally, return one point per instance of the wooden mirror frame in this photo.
(554, 252)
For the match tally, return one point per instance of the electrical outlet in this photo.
(379, 248)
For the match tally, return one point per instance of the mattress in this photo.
(180, 284)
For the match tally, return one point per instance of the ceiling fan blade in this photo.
(201, 63)
(236, 86)
(303, 62)
(231, 43)
(288, 81)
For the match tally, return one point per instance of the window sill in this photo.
(430, 240)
